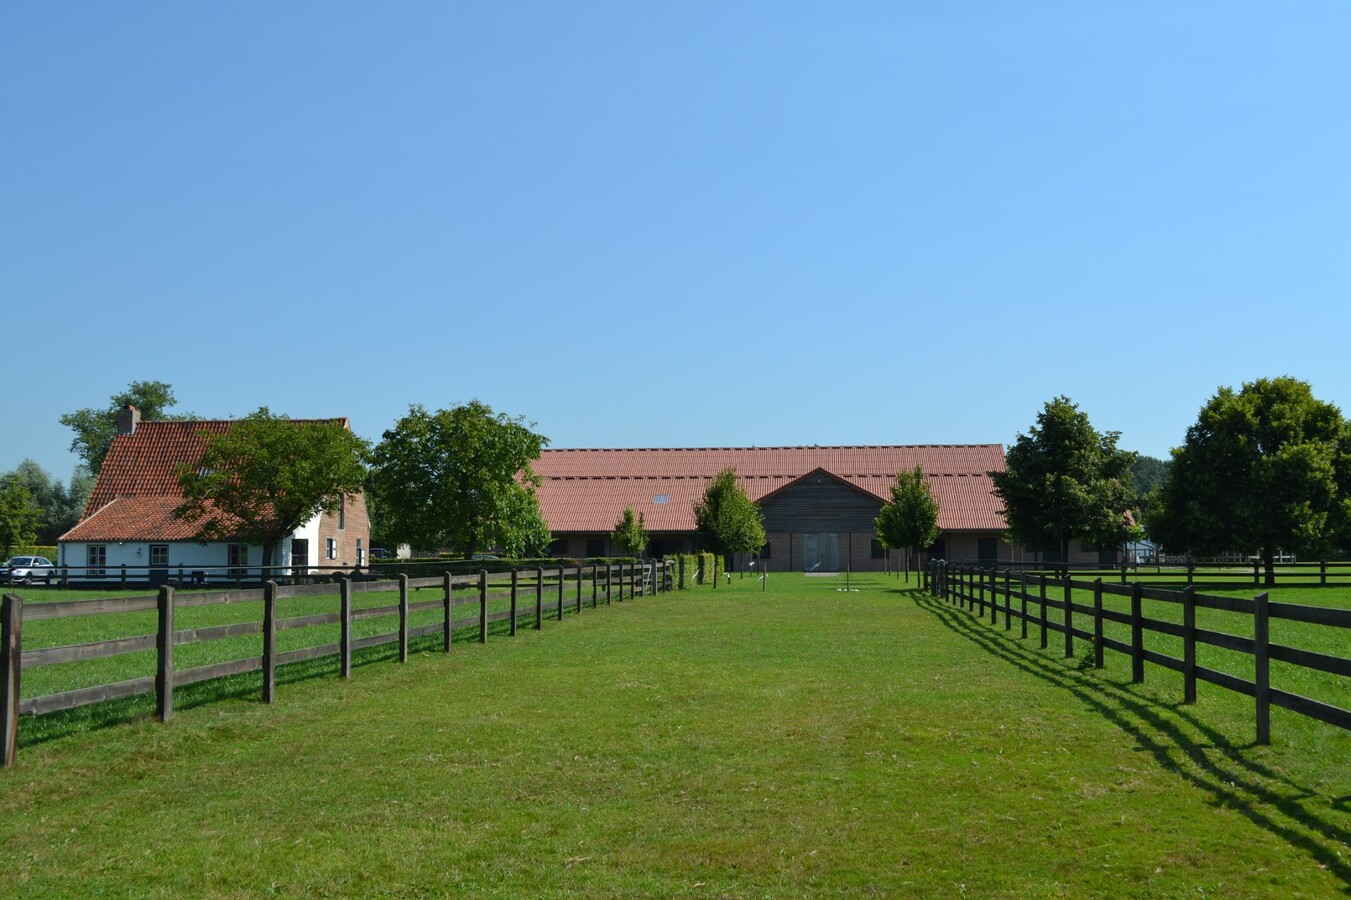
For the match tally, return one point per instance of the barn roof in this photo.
(587, 490)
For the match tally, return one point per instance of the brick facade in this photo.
(351, 541)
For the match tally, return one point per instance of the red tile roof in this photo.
(137, 489)
(587, 490)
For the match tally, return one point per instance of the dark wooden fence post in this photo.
(979, 575)
(403, 617)
(1137, 636)
(1008, 599)
(1189, 644)
(11, 659)
(448, 585)
(579, 589)
(1262, 659)
(1027, 589)
(539, 597)
(1042, 601)
(164, 651)
(608, 569)
(483, 606)
(1323, 572)
(515, 575)
(345, 614)
(994, 596)
(595, 584)
(1097, 624)
(269, 641)
(1069, 616)
(560, 593)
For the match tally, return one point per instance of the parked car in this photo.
(27, 569)
(486, 556)
(381, 553)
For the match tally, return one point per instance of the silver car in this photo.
(27, 569)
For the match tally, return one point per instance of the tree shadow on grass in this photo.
(1179, 741)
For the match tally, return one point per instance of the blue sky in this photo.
(692, 224)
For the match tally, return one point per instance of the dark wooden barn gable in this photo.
(820, 503)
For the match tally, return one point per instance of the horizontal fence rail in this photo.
(1031, 597)
(552, 590)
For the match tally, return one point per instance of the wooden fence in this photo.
(550, 589)
(981, 589)
(1215, 575)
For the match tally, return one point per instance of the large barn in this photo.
(819, 503)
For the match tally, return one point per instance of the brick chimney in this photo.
(128, 417)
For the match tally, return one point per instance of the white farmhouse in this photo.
(129, 520)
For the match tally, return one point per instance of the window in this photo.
(331, 549)
(559, 547)
(342, 514)
(766, 552)
(595, 547)
(238, 556)
(361, 554)
(876, 551)
(159, 554)
(96, 558)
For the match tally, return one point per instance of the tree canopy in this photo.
(461, 478)
(95, 428)
(1263, 469)
(59, 505)
(1064, 480)
(726, 518)
(268, 475)
(910, 518)
(630, 533)
(18, 517)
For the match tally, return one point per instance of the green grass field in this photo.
(794, 742)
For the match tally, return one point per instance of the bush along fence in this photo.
(529, 594)
(1028, 597)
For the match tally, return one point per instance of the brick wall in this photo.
(356, 526)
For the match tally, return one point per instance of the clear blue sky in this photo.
(683, 224)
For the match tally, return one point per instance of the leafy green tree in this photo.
(268, 475)
(18, 517)
(459, 477)
(95, 428)
(59, 506)
(910, 518)
(1148, 473)
(1266, 468)
(1064, 480)
(726, 518)
(630, 534)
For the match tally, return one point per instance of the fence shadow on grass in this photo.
(1169, 732)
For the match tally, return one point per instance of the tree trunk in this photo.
(1065, 554)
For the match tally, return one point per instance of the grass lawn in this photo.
(794, 742)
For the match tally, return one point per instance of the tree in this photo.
(1267, 468)
(727, 520)
(59, 506)
(459, 477)
(1148, 473)
(95, 428)
(630, 535)
(1064, 480)
(910, 519)
(18, 516)
(268, 475)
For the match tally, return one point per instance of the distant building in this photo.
(129, 518)
(819, 503)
